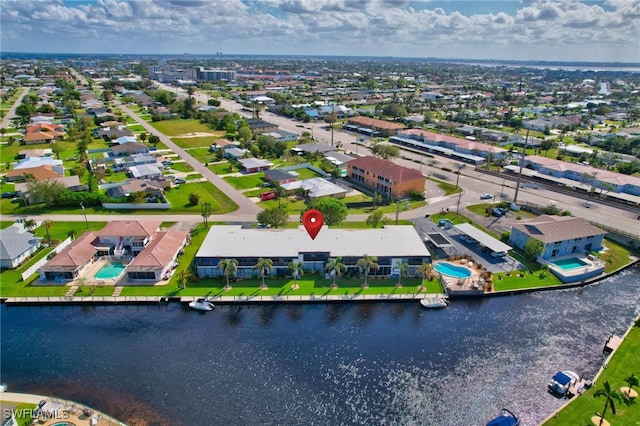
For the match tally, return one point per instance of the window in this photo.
(141, 275)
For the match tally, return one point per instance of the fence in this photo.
(133, 206)
(306, 166)
(33, 268)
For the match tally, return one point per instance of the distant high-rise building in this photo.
(215, 74)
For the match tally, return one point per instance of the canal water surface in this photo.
(352, 364)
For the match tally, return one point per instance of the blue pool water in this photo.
(110, 271)
(570, 263)
(453, 270)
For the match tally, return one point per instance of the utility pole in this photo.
(84, 212)
(460, 167)
(333, 119)
(524, 153)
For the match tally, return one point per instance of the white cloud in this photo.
(546, 30)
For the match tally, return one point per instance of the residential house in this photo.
(149, 186)
(385, 176)
(391, 245)
(36, 138)
(144, 171)
(16, 245)
(253, 165)
(279, 176)
(72, 183)
(129, 149)
(39, 152)
(560, 235)
(71, 261)
(316, 188)
(159, 257)
(231, 151)
(109, 133)
(125, 140)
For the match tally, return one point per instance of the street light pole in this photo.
(84, 212)
(460, 167)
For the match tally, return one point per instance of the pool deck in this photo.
(591, 267)
(70, 411)
(468, 286)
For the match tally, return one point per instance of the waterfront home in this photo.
(560, 235)
(391, 244)
(154, 251)
(385, 176)
(16, 245)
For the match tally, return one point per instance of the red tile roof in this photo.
(386, 168)
(39, 173)
(76, 254)
(130, 228)
(161, 250)
(375, 123)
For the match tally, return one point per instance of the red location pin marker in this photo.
(312, 220)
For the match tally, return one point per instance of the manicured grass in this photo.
(292, 204)
(179, 198)
(98, 290)
(23, 414)
(621, 365)
(365, 225)
(447, 187)
(254, 192)
(253, 180)
(523, 279)
(203, 155)
(306, 174)
(180, 127)
(199, 142)
(616, 255)
(167, 224)
(222, 168)
(5, 224)
(182, 167)
(136, 128)
(391, 208)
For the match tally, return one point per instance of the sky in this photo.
(526, 30)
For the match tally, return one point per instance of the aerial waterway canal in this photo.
(387, 363)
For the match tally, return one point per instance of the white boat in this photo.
(562, 381)
(201, 305)
(434, 302)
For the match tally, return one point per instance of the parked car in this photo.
(167, 162)
(179, 180)
(498, 211)
(11, 194)
(486, 196)
(269, 195)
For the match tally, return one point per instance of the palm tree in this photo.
(612, 396)
(297, 270)
(632, 381)
(229, 267)
(48, 223)
(425, 270)
(335, 267)
(403, 269)
(30, 224)
(183, 277)
(367, 263)
(263, 266)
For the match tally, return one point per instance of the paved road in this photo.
(11, 114)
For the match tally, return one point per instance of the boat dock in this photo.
(611, 344)
(252, 298)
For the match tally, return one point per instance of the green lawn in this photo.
(203, 155)
(179, 198)
(180, 127)
(306, 174)
(615, 256)
(223, 168)
(292, 205)
(253, 180)
(517, 280)
(193, 176)
(623, 363)
(199, 142)
(182, 167)
(136, 128)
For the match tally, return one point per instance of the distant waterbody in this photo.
(362, 364)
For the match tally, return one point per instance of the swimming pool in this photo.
(452, 270)
(570, 263)
(110, 271)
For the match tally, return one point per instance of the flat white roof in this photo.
(482, 237)
(232, 241)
